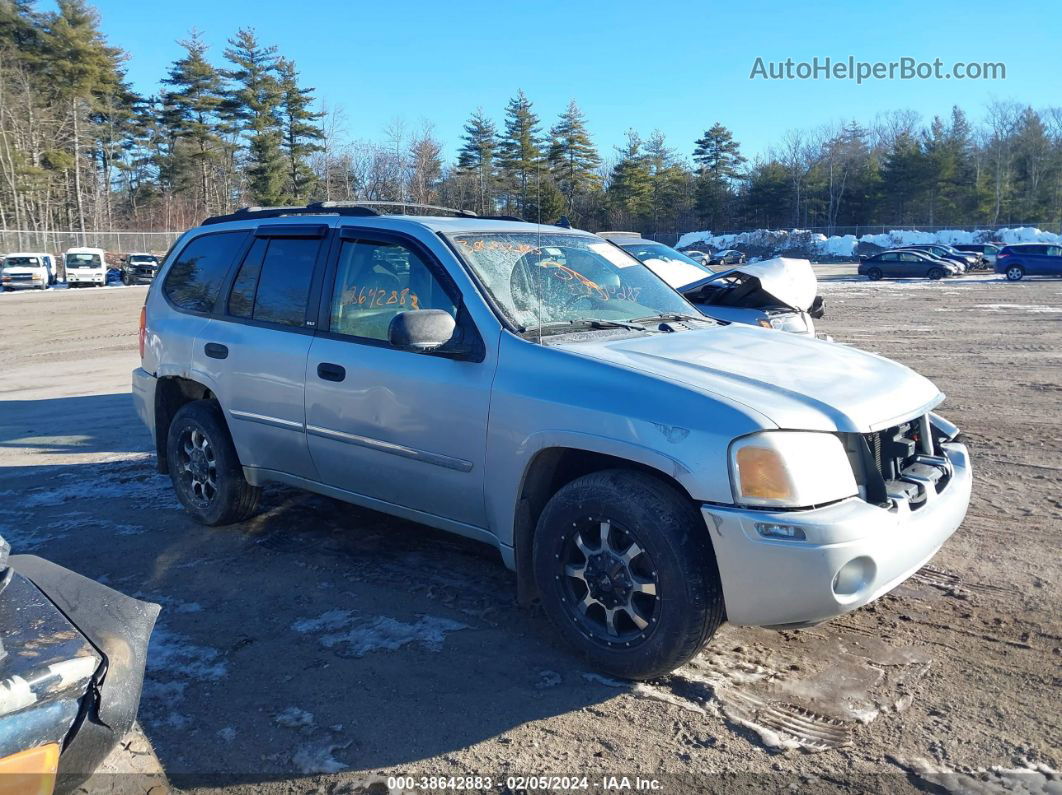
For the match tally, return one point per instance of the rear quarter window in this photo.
(194, 280)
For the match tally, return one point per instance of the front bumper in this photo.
(73, 277)
(774, 583)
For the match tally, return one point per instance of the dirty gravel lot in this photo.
(320, 645)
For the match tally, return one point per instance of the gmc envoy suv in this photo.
(646, 471)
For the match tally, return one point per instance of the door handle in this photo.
(215, 350)
(331, 372)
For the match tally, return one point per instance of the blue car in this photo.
(1029, 259)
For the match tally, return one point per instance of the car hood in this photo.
(788, 280)
(796, 382)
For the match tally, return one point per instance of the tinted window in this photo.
(273, 284)
(195, 278)
(376, 281)
(241, 298)
(284, 284)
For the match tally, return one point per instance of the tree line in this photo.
(80, 149)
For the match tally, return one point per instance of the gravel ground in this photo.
(323, 645)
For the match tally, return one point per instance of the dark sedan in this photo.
(901, 263)
(940, 251)
(727, 256)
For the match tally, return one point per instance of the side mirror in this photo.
(421, 330)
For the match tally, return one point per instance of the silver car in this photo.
(778, 293)
(645, 471)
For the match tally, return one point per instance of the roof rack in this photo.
(359, 209)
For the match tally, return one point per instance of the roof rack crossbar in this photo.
(245, 213)
(348, 208)
(416, 205)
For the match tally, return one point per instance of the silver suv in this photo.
(646, 471)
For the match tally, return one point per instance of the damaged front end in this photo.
(904, 463)
(779, 293)
(72, 655)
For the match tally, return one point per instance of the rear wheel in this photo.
(626, 573)
(1015, 273)
(935, 273)
(204, 467)
(874, 274)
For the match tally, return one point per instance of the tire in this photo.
(874, 274)
(1015, 273)
(204, 467)
(935, 274)
(665, 600)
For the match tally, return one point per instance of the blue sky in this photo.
(671, 64)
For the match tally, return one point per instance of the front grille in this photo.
(894, 449)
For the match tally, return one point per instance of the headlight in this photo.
(792, 323)
(790, 469)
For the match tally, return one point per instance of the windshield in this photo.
(673, 267)
(23, 262)
(82, 260)
(143, 258)
(550, 278)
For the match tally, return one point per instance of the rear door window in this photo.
(194, 280)
(273, 284)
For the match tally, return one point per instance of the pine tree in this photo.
(191, 115)
(718, 154)
(476, 159)
(256, 104)
(520, 151)
(302, 132)
(573, 159)
(630, 188)
(82, 68)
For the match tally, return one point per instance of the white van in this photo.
(28, 269)
(85, 266)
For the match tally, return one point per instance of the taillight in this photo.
(142, 336)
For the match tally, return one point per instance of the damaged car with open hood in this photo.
(779, 293)
(72, 654)
(648, 472)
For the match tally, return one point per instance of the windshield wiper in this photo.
(578, 325)
(673, 317)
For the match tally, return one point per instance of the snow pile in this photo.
(813, 245)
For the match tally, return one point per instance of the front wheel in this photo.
(1015, 273)
(204, 467)
(935, 274)
(874, 274)
(626, 573)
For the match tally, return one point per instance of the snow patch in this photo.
(377, 633)
(313, 758)
(771, 242)
(294, 718)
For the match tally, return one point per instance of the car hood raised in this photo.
(788, 280)
(795, 382)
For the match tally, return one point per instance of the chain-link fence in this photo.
(57, 242)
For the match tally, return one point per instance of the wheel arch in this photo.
(548, 470)
(171, 393)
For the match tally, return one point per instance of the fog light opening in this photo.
(854, 577)
(785, 532)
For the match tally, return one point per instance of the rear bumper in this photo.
(143, 387)
(774, 583)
